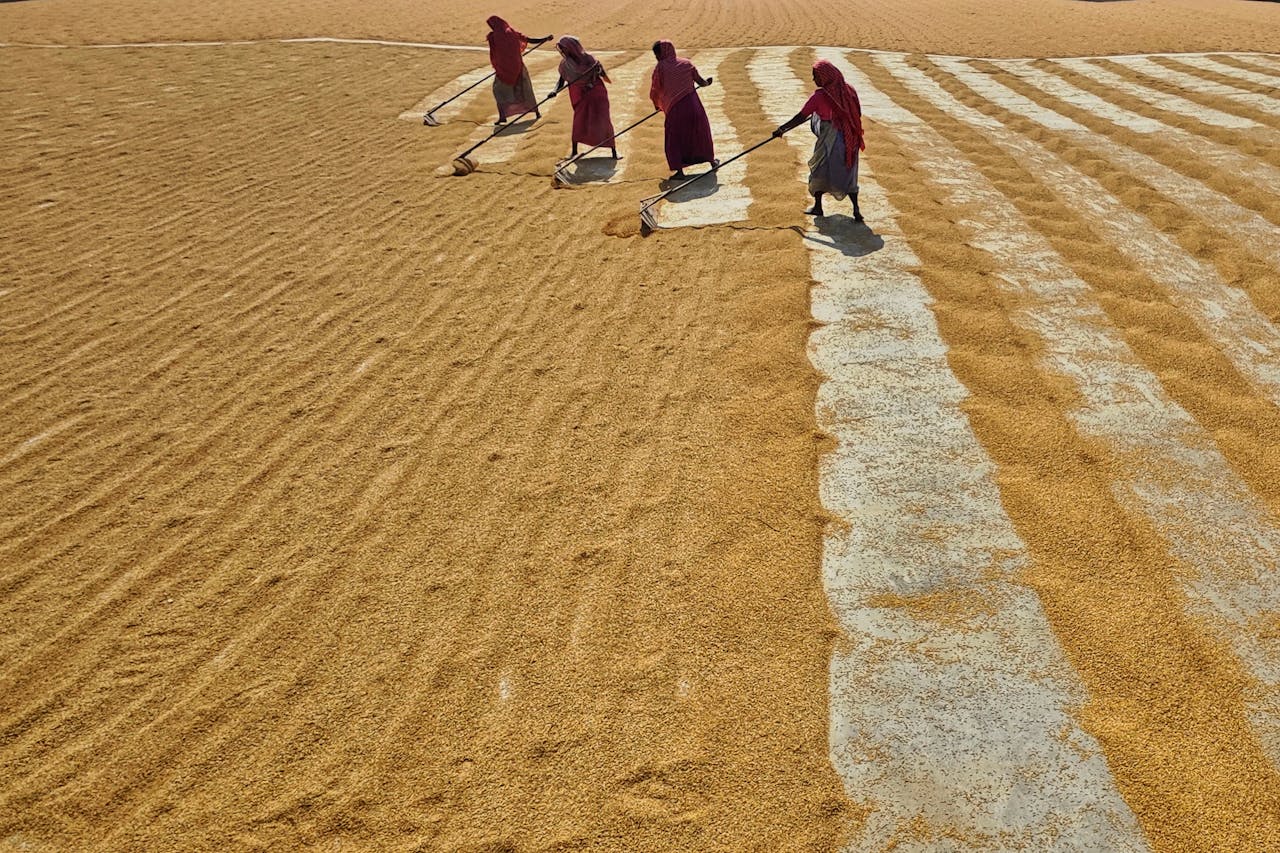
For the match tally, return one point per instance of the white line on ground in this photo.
(1192, 83)
(1158, 99)
(1256, 234)
(1208, 63)
(1223, 156)
(1174, 472)
(966, 727)
(503, 147)
(1269, 63)
(1224, 313)
(449, 90)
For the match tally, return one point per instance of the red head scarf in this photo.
(848, 110)
(577, 65)
(672, 78)
(505, 47)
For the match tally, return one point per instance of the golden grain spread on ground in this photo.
(346, 504)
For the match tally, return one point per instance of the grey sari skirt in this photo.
(514, 100)
(827, 172)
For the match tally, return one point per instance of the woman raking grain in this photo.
(675, 91)
(835, 116)
(512, 88)
(586, 79)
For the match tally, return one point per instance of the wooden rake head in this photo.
(560, 177)
(649, 219)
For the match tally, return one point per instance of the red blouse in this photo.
(821, 104)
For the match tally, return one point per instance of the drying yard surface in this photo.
(349, 505)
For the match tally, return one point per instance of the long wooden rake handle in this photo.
(650, 202)
(575, 158)
(536, 107)
(473, 85)
(498, 131)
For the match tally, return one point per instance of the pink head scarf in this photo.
(673, 78)
(848, 109)
(505, 47)
(577, 65)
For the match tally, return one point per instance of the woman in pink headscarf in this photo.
(835, 117)
(512, 88)
(586, 79)
(674, 91)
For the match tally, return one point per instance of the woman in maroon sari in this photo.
(674, 91)
(512, 88)
(586, 79)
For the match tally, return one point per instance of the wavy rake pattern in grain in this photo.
(345, 414)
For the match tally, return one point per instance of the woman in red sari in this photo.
(512, 88)
(835, 116)
(586, 79)
(674, 91)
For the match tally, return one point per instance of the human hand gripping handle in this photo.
(793, 122)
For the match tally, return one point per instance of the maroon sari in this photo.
(586, 78)
(674, 90)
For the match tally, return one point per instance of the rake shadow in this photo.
(852, 239)
(517, 128)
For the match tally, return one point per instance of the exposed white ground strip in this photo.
(1208, 63)
(1224, 313)
(383, 42)
(964, 723)
(724, 197)
(448, 90)
(1257, 235)
(1222, 156)
(1174, 473)
(1160, 100)
(1192, 83)
(1051, 84)
(504, 146)
(1266, 63)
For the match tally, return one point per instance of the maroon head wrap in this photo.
(672, 78)
(577, 65)
(505, 47)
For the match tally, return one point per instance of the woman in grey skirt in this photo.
(512, 89)
(835, 116)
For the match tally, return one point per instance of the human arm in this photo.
(791, 123)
